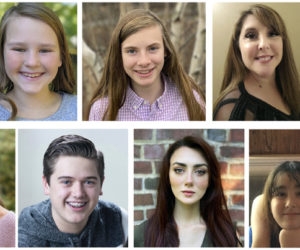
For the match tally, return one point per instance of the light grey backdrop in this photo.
(32, 145)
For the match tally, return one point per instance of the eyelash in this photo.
(21, 50)
(253, 35)
(199, 172)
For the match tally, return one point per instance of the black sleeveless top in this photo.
(248, 107)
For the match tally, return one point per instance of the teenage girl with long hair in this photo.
(142, 78)
(275, 215)
(191, 207)
(36, 75)
(261, 81)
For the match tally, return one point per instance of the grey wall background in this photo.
(32, 145)
(225, 15)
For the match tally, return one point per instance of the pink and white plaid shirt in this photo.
(168, 107)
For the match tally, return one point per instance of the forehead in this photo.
(187, 155)
(26, 29)
(286, 180)
(151, 34)
(74, 166)
(251, 22)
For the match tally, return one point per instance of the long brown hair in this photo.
(287, 78)
(292, 169)
(64, 80)
(114, 80)
(162, 231)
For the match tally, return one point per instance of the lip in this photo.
(31, 75)
(76, 206)
(144, 73)
(264, 58)
(188, 193)
(291, 214)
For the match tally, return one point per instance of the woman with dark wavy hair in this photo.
(191, 208)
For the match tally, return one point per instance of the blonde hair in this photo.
(114, 81)
(64, 80)
(287, 78)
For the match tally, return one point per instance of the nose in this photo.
(290, 202)
(78, 190)
(144, 59)
(264, 42)
(32, 59)
(189, 179)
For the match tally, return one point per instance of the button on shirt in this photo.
(168, 107)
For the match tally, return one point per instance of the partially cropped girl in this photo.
(275, 216)
(36, 75)
(142, 78)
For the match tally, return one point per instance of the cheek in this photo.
(202, 183)
(175, 180)
(275, 208)
(51, 61)
(11, 60)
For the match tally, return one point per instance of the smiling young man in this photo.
(74, 216)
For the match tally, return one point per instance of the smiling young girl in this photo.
(36, 75)
(275, 216)
(191, 209)
(261, 81)
(142, 77)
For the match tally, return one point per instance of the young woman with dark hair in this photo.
(191, 207)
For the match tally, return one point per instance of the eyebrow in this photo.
(49, 45)
(85, 178)
(134, 47)
(184, 165)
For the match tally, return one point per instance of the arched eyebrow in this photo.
(195, 166)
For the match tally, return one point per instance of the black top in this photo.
(244, 106)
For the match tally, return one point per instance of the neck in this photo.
(260, 81)
(65, 227)
(35, 106)
(187, 214)
(3, 211)
(149, 93)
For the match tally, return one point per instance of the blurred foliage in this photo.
(7, 168)
(67, 13)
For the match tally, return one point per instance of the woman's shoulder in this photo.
(226, 105)
(4, 113)
(98, 109)
(139, 231)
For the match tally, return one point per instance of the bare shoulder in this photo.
(259, 224)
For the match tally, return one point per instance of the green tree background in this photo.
(67, 13)
(7, 168)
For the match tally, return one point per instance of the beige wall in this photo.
(225, 16)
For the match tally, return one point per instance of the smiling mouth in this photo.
(77, 204)
(264, 58)
(144, 72)
(31, 75)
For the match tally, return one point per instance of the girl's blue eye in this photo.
(45, 50)
(153, 48)
(131, 51)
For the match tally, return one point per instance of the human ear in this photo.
(101, 184)
(46, 186)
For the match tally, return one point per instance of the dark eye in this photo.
(251, 35)
(45, 50)
(273, 33)
(19, 49)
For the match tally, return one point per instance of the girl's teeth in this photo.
(264, 58)
(31, 75)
